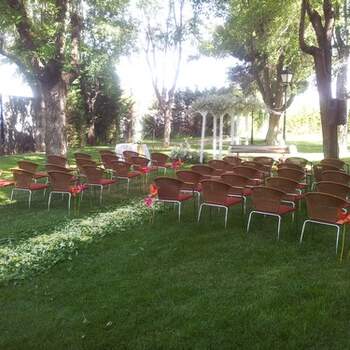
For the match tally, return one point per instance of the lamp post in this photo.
(286, 77)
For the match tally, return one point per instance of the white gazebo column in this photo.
(234, 131)
(221, 135)
(204, 118)
(214, 136)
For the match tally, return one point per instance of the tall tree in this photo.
(262, 36)
(43, 39)
(321, 51)
(164, 37)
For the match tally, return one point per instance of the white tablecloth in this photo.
(140, 148)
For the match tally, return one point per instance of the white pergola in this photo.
(218, 107)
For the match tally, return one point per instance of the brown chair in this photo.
(220, 166)
(57, 160)
(169, 191)
(290, 166)
(268, 162)
(80, 155)
(81, 162)
(128, 154)
(216, 194)
(290, 187)
(55, 167)
(107, 161)
(205, 170)
(334, 162)
(256, 165)
(23, 181)
(255, 176)
(294, 174)
(238, 188)
(269, 201)
(122, 170)
(94, 178)
(324, 209)
(233, 160)
(61, 183)
(333, 188)
(297, 160)
(336, 176)
(140, 163)
(32, 167)
(191, 182)
(161, 160)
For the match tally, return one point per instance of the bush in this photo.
(186, 154)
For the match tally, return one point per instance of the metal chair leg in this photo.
(69, 199)
(279, 227)
(302, 231)
(12, 194)
(226, 215)
(30, 199)
(200, 212)
(179, 212)
(49, 201)
(249, 219)
(101, 190)
(337, 241)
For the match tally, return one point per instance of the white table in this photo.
(140, 148)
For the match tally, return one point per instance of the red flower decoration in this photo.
(149, 201)
(153, 189)
(144, 169)
(176, 164)
(343, 217)
(77, 189)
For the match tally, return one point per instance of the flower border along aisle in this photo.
(43, 251)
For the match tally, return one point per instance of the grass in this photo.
(176, 286)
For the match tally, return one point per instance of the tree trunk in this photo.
(39, 120)
(91, 137)
(55, 103)
(167, 126)
(273, 136)
(341, 92)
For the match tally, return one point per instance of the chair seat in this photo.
(293, 197)
(229, 202)
(40, 175)
(184, 197)
(36, 187)
(133, 174)
(5, 183)
(104, 182)
(285, 209)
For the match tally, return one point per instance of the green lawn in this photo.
(165, 285)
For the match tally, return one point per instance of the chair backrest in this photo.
(337, 163)
(168, 187)
(215, 192)
(268, 161)
(58, 160)
(81, 162)
(334, 188)
(317, 172)
(22, 178)
(233, 160)
(80, 155)
(220, 165)
(159, 158)
(251, 173)
(255, 165)
(293, 174)
(267, 199)
(326, 166)
(189, 176)
(121, 168)
(139, 161)
(128, 154)
(203, 169)
(324, 207)
(290, 166)
(235, 180)
(282, 184)
(335, 176)
(108, 159)
(60, 180)
(107, 151)
(27, 165)
(297, 160)
(93, 173)
(55, 167)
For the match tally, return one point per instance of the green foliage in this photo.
(185, 152)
